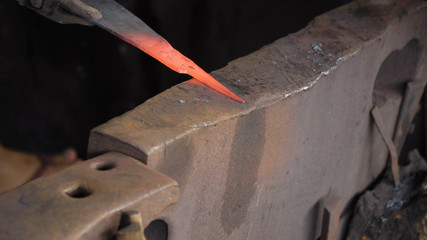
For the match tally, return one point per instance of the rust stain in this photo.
(242, 173)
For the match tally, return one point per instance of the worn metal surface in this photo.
(85, 200)
(259, 170)
(263, 169)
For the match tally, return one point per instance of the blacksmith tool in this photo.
(119, 21)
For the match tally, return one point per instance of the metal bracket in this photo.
(331, 218)
(390, 145)
(133, 229)
(409, 108)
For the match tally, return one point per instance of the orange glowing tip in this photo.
(122, 23)
(161, 50)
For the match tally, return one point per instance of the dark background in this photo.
(58, 81)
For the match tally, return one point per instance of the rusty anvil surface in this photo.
(266, 169)
(84, 200)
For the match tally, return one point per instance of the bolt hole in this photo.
(156, 230)
(78, 192)
(105, 166)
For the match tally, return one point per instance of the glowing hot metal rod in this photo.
(122, 23)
